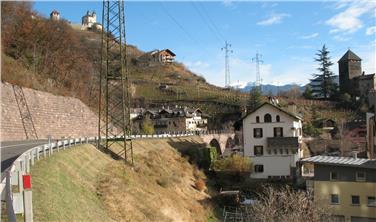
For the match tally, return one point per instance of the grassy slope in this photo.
(159, 188)
(82, 184)
(64, 186)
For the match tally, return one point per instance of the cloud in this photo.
(371, 30)
(274, 19)
(228, 3)
(342, 38)
(348, 21)
(314, 35)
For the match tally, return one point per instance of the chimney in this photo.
(291, 107)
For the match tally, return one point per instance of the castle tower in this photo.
(89, 20)
(349, 66)
(55, 15)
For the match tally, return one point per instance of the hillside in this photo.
(83, 184)
(53, 56)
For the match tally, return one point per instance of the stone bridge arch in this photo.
(219, 140)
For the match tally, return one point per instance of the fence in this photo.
(21, 166)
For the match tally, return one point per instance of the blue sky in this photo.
(287, 34)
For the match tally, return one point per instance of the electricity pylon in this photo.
(114, 127)
(227, 64)
(258, 61)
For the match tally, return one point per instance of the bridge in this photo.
(221, 140)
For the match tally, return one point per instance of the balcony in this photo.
(282, 142)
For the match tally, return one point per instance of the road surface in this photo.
(10, 150)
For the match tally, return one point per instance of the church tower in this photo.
(349, 66)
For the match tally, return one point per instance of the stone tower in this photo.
(349, 66)
(55, 15)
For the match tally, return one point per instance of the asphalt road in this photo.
(10, 150)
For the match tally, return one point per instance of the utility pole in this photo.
(258, 61)
(227, 50)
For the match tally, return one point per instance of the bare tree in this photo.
(286, 204)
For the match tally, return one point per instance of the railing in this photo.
(21, 166)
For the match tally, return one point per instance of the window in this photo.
(257, 119)
(277, 118)
(333, 176)
(259, 168)
(371, 201)
(269, 151)
(259, 150)
(275, 152)
(267, 118)
(355, 200)
(287, 151)
(360, 176)
(278, 132)
(281, 151)
(334, 199)
(257, 132)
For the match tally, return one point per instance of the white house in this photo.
(89, 21)
(272, 138)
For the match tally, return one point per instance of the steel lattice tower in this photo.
(258, 61)
(114, 127)
(227, 50)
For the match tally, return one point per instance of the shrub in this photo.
(200, 184)
(235, 163)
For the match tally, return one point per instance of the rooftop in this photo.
(276, 107)
(341, 161)
(349, 55)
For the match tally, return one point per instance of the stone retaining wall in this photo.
(57, 116)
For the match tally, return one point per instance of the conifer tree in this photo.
(327, 88)
(255, 99)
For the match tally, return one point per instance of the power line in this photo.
(178, 24)
(227, 65)
(211, 21)
(212, 30)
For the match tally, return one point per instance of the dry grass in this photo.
(161, 186)
(65, 186)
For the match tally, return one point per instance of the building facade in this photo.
(272, 138)
(371, 135)
(158, 56)
(89, 21)
(351, 78)
(347, 184)
(168, 120)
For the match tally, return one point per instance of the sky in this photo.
(286, 33)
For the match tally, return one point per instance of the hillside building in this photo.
(158, 56)
(272, 138)
(167, 120)
(89, 21)
(55, 15)
(351, 78)
(347, 184)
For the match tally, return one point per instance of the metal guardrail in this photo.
(21, 166)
